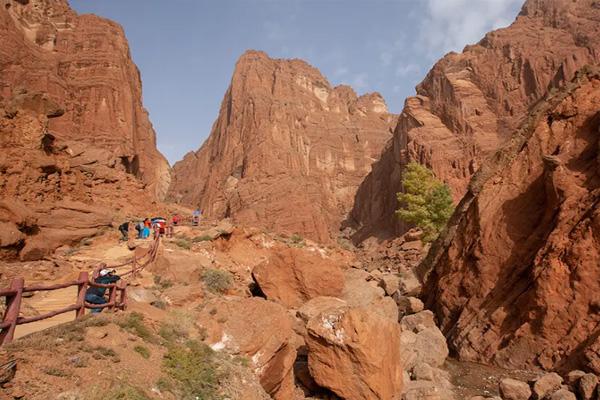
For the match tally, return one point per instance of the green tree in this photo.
(426, 202)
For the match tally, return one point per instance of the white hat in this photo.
(104, 272)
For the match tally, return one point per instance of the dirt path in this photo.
(43, 302)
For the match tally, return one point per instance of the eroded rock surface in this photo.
(287, 151)
(292, 277)
(355, 354)
(471, 103)
(515, 280)
(258, 329)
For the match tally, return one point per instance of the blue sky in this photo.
(186, 49)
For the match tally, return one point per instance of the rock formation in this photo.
(73, 131)
(260, 330)
(287, 151)
(82, 63)
(471, 103)
(355, 353)
(515, 279)
(292, 277)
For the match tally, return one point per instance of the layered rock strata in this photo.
(287, 151)
(471, 103)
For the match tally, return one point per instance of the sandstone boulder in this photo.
(389, 283)
(421, 390)
(293, 276)
(512, 389)
(318, 305)
(358, 292)
(64, 223)
(356, 354)
(408, 305)
(573, 377)
(587, 386)
(562, 394)
(258, 329)
(546, 385)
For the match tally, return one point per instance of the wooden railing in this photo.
(117, 294)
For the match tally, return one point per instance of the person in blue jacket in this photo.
(95, 295)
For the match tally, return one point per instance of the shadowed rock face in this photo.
(83, 64)
(470, 103)
(287, 151)
(515, 279)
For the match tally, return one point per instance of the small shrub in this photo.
(183, 243)
(178, 328)
(296, 239)
(162, 284)
(243, 361)
(217, 281)
(193, 369)
(164, 385)
(345, 243)
(204, 238)
(142, 351)
(425, 202)
(119, 391)
(53, 371)
(101, 353)
(160, 304)
(134, 323)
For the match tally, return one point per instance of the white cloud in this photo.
(452, 24)
(404, 70)
(360, 81)
(386, 58)
(340, 72)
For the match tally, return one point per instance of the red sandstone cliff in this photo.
(287, 151)
(470, 103)
(82, 63)
(516, 278)
(76, 146)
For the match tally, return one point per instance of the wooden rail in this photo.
(117, 294)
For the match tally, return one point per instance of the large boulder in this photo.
(355, 353)
(258, 329)
(64, 223)
(293, 276)
(547, 384)
(358, 292)
(422, 341)
(512, 389)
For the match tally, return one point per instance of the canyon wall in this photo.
(515, 278)
(77, 149)
(83, 63)
(471, 103)
(287, 151)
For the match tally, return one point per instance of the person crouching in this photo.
(95, 295)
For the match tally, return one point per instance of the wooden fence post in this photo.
(134, 266)
(112, 296)
(123, 301)
(13, 307)
(81, 290)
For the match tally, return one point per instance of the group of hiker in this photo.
(156, 225)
